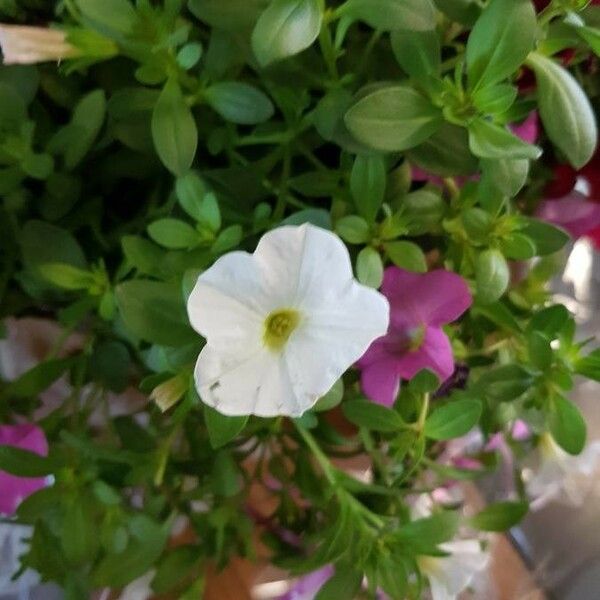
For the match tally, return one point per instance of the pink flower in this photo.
(574, 213)
(14, 489)
(529, 129)
(420, 303)
(307, 587)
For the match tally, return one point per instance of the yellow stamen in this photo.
(279, 325)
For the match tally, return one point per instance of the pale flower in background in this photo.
(450, 575)
(282, 324)
(12, 545)
(558, 476)
(28, 45)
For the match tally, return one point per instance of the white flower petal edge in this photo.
(302, 271)
(24, 45)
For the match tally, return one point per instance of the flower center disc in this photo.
(279, 325)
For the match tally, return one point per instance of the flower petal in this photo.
(228, 305)
(573, 213)
(380, 381)
(434, 354)
(254, 383)
(433, 298)
(334, 338)
(305, 266)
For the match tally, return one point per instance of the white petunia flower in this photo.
(12, 546)
(282, 324)
(558, 476)
(22, 44)
(450, 575)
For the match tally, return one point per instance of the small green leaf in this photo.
(500, 41)
(189, 55)
(418, 53)
(24, 463)
(393, 118)
(549, 321)
(453, 419)
(286, 28)
(492, 276)
(239, 102)
(367, 184)
(373, 416)
(424, 535)
(344, 584)
(589, 366)
(567, 425)
(369, 267)
(499, 516)
(174, 130)
(221, 428)
(66, 276)
(228, 239)
(332, 398)
(506, 175)
(505, 383)
(540, 352)
(407, 255)
(547, 238)
(173, 234)
(86, 123)
(488, 140)
(566, 112)
(116, 16)
(37, 379)
(353, 229)
(390, 15)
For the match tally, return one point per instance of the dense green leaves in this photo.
(286, 28)
(174, 129)
(393, 118)
(566, 112)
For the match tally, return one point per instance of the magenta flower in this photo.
(14, 489)
(307, 587)
(529, 129)
(574, 213)
(420, 304)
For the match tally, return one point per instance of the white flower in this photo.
(12, 546)
(27, 45)
(450, 575)
(139, 589)
(282, 324)
(561, 476)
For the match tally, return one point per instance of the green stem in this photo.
(324, 463)
(328, 51)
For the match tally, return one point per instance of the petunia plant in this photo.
(275, 282)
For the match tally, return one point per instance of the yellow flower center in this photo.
(279, 325)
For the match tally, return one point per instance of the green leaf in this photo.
(239, 102)
(389, 15)
(24, 463)
(221, 428)
(66, 276)
(589, 366)
(344, 584)
(353, 229)
(492, 276)
(332, 398)
(173, 234)
(488, 140)
(228, 239)
(565, 110)
(59, 246)
(499, 314)
(37, 379)
(110, 364)
(369, 267)
(372, 416)
(424, 382)
(499, 516)
(393, 118)
(116, 16)
(424, 210)
(228, 15)
(406, 255)
(505, 383)
(86, 123)
(189, 55)
(540, 352)
(507, 175)
(154, 311)
(190, 190)
(550, 321)
(424, 535)
(174, 130)
(176, 568)
(142, 254)
(418, 53)
(547, 238)
(79, 534)
(567, 425)
(500, 41)
(495, 99)
(445, 153)
(286, 28)
(367, 184)
(518, 246)
(453, 419)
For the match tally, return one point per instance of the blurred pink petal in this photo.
(14, 489)
(529, 129)
(307, 587)
(573, 213)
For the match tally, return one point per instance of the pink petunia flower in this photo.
(307, 587)
(420, 303)
(14, 489)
